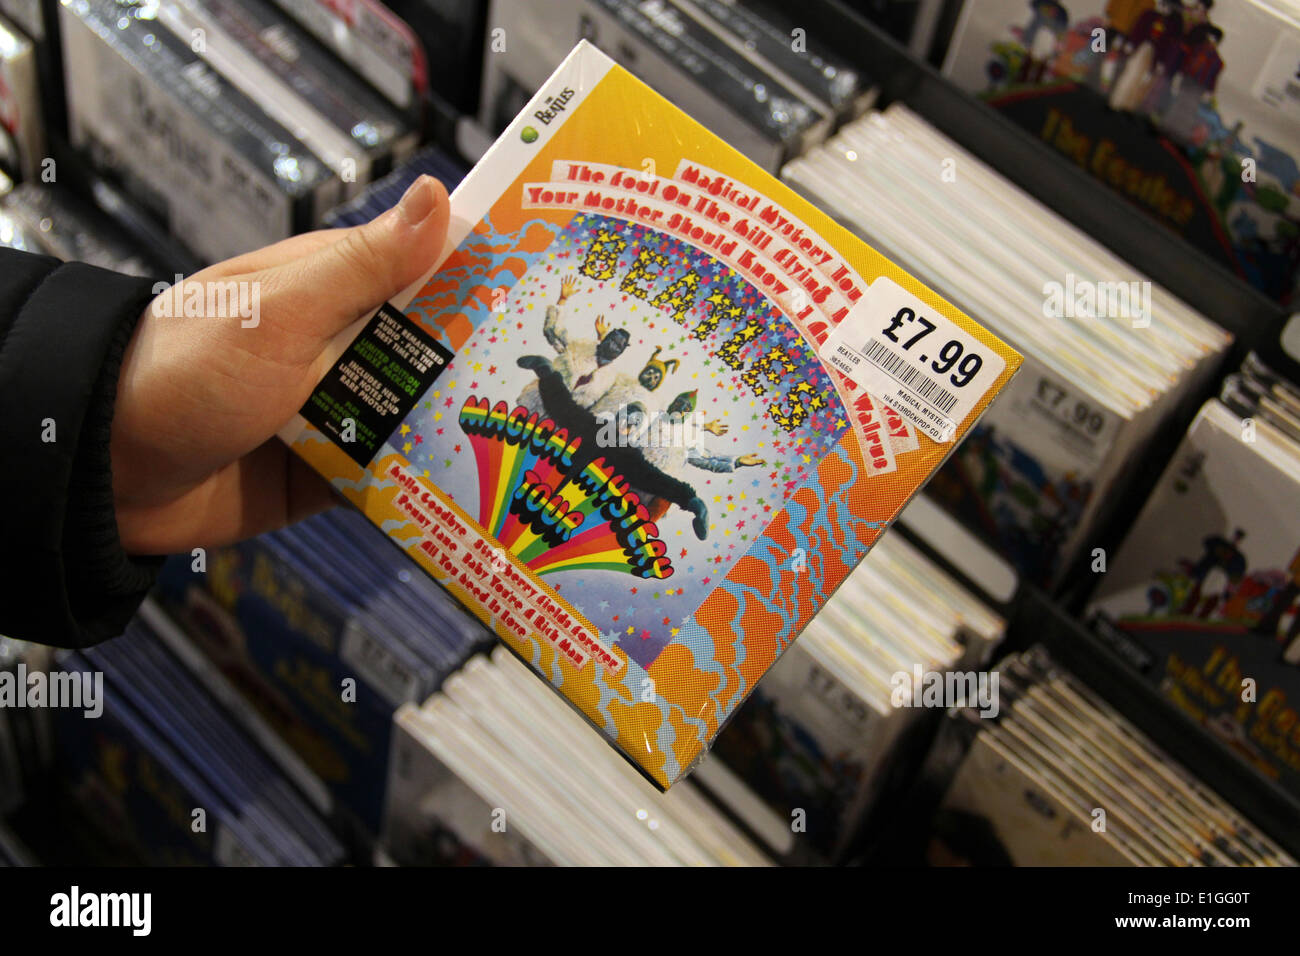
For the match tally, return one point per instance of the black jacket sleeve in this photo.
(64, 578)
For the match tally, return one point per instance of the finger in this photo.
(328, 290)
(276, 254)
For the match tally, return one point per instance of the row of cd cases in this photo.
(493, 768)
(1034, 479)
(224, 121)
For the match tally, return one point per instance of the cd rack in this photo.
(1255, 321)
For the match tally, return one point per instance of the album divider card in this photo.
(639, 415)
(1202, 596)
(1190, 110)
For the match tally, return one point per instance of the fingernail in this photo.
(419, 201)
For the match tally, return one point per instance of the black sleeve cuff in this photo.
(105, 584)
(63, 333)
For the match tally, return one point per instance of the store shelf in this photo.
(1073, 645)
(1127, 231)
(962, 553)
(1255, 321)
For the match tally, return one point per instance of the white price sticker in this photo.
(1278, 81)
(914, 359)
(378, 665)
(1084, 422)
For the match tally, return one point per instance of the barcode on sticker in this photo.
(911, 357)
(886, 359)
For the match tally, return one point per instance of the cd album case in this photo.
(635, 417)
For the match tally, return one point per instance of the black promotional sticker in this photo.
(375, 384)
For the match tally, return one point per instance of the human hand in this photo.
(750, 461)
(568, 286)
(716, 427)
(602, 327)
(199, 400)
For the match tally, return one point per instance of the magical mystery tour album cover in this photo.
(647, 412)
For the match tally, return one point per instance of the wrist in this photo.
(133, 457)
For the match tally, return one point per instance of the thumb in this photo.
(331, 288)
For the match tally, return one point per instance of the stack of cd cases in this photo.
(324, 656)
(51, 221)
(25, 747)
(225, 120)
(1108, 352)
(498, 769)
(354, 130)
(1255, 390)
(22, 130)
(821, 733)
(167, 771)
(12, 851)
(731, 67)
(370, 38)
(383, 194)
(406, 49)
(1059, 778)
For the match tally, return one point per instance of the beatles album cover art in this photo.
(1188, 108)
(1205, 592)
(607, 422)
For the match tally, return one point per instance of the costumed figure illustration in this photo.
(1120, 18)
(1151, 52)
(624, 391)
(1198, 74)
(584, 423)
(1040, 37)
(1282, 602)
(1220, 555)
(583, 364)
(673, 455)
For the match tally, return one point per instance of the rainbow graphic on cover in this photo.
(635, 419)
